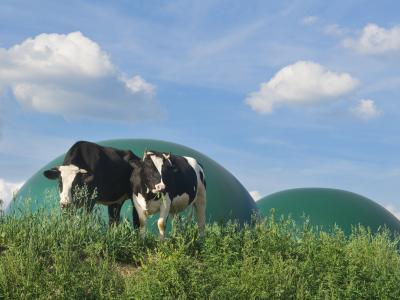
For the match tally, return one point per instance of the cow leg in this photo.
(114, 211)
(164, 212)
(141, 216)
(173, 222)
(200, 206)
(190, 214)
(135, 217)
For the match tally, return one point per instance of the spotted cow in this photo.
(168, 184)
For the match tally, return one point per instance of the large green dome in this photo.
(226, 196)
(326, 207)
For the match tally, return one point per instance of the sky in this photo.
(283, 94)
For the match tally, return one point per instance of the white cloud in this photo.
(70, 75)
(393, 210)
(304, 82)
(309, 20)
(366, 109)
(256, 195)
(7, 190)
(375, 40)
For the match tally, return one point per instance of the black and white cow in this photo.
(104, 170)
(168, 184)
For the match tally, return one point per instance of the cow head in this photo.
(156, 168)
(69, 177)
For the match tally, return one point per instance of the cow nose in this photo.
(159, 187)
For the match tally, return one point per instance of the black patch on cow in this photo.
(180, 178)
(53, 173)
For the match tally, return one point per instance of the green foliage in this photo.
(48, 255)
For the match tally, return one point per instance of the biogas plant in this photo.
(227, 199)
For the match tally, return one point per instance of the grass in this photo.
(45, 255)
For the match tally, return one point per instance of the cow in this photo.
(105, 171)
(168, 184)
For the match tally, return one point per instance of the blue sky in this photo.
(284, 94)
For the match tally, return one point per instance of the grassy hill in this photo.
(44, 255)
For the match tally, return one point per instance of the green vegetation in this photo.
(45, 255)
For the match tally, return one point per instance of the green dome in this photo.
(326, 207)
(226, 196)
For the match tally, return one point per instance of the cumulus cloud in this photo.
(7, 191)
(366, 109)
(375, 40)
(256, 195)
(391, 208)
(304, 82)
(70, 75)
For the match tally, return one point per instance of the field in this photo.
(44, 255)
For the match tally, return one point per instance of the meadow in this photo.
(46, 255)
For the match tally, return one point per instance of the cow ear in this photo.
(52, 174)
(86, 175)
(146, 152)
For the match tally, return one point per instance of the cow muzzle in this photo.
(159, 188)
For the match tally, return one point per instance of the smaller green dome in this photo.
(327, 207)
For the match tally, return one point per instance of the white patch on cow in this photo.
(197, 168)
(165, 207)
(158, 163)
(192, 162)
(68, 174)
(179, 203)
(149, 207)
(141, 201)
(141, 213)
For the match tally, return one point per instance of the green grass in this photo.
(44, 255)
